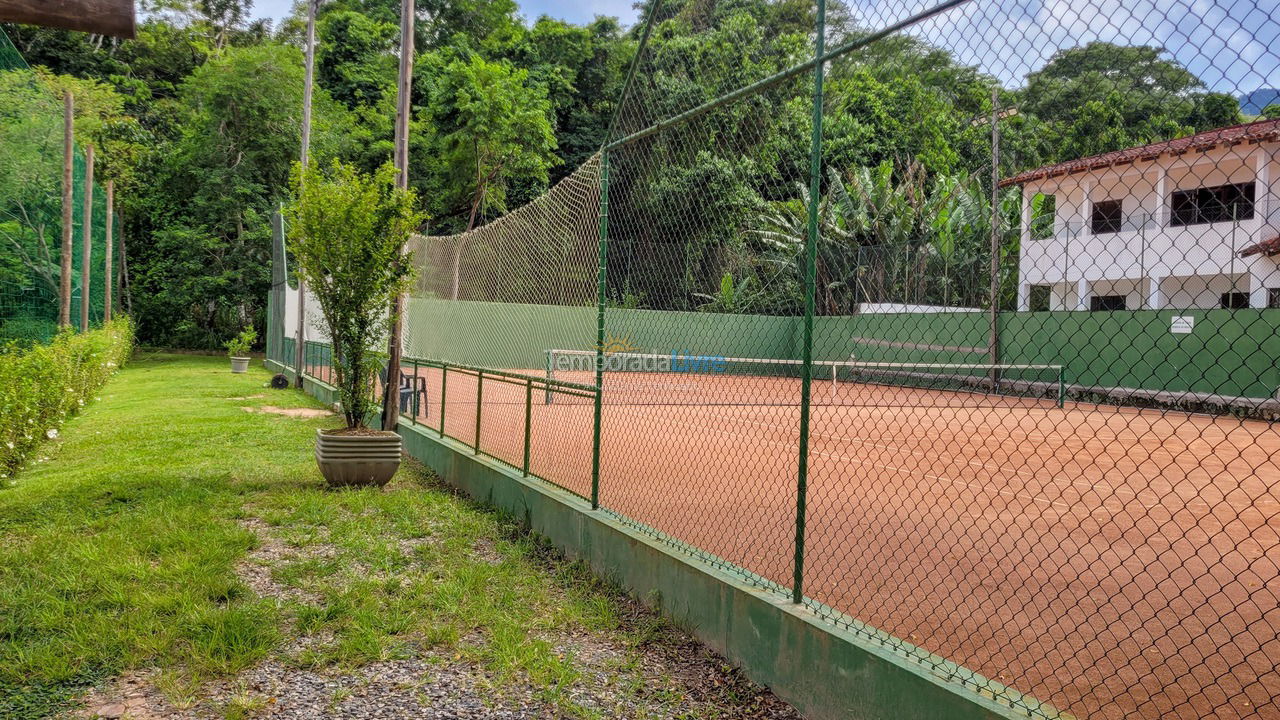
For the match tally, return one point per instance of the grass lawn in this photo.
(170, 540)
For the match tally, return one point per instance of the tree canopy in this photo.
(199, 119)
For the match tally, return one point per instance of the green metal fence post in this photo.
(550, 375)
(601, 280)
(528, 422)
(414, 400)
(479, 405)
(1062, 386)
(810, 282)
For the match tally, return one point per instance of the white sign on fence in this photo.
(1182, 324)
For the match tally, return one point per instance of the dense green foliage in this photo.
(31, 166)
(348, 232)
(504, 108)
(43, 385)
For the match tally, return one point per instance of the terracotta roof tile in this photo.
(1266, 247)
(1260, 131)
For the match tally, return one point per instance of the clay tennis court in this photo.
(1112, 562)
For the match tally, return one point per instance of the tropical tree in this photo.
(489, 131)
(354, 58)
(1103, 96)
(204, 269)
(30, 179)
(31, 158)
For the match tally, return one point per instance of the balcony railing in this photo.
(1156, 222)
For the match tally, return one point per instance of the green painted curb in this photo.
(826, 672)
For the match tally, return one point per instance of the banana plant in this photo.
(741, 296)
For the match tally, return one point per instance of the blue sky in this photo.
(578, 11)
(1231, 44)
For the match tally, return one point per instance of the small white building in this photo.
(1188, 223)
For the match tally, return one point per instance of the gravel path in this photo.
(665, 675)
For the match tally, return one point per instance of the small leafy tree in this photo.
(348, 232)
(239, 345)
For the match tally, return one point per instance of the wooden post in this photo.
(304, 158)
(390, 404)
(86, 239)
(103, 17)
(403, 89)
(107, 280)
(68, 159)
(308, 81)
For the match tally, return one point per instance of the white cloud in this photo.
(1228, 44)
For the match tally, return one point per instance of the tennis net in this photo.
(632, 378)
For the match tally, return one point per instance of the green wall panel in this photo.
(949, 337)
(1229, 352)
(496, 335)
(514, 335)
(750, 336)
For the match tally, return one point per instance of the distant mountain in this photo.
(1253, 103)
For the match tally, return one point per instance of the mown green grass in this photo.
(122, 537)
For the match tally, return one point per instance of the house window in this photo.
(1107, 302)
(1235, 300)
(1222, 203)
(1273, 297)
(1043, 209)
(1108, 216)
(1039, 298)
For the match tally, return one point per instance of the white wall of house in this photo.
(1151, 262)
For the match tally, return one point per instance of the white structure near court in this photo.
(1188, 223)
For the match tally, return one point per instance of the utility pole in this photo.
(86, 239)
(304, 157)
(68, 158)
(106, 275)
(404, 107)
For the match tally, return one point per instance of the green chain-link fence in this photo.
(31, 161)
(956, 323)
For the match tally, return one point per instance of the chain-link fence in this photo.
(31, 163)
(957, 324)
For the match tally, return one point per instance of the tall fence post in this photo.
(993, 335)
(601, 290)
(810, 282)
(68, 178)
(106, 253)
(479, 406)
(86, 240)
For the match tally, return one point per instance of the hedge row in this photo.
(43, 385)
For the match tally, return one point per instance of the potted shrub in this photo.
(347, 231)
(238, 349)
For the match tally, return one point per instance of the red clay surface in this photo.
(1111, 562)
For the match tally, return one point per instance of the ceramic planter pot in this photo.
(366, 459)
(239, 364)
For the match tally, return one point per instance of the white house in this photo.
(1188, 223)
